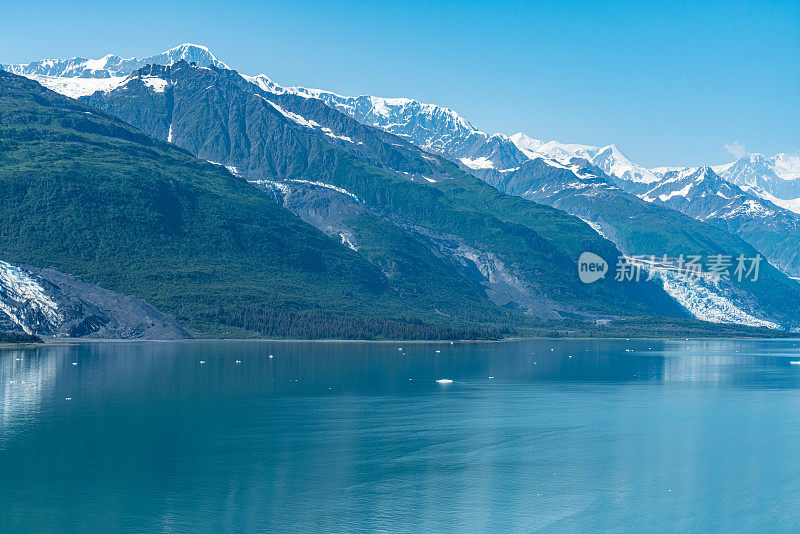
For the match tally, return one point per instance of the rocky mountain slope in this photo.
(409, 212)
(50, 303)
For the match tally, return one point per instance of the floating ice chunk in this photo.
(238, 361)
(271, 356)
(795, 363)
(202, 362)
(74, 363)
(444, 381)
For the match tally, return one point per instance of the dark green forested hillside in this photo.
(88, 195)
(18, 337)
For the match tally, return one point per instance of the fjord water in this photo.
(574, 435)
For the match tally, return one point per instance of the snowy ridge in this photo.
(264, 83)
(608, 158)
(308, 123)
(435, 128)
(748, 169)
(285, 188)
(110, 65)
(791, 204)
(690, 183)
(302, 121)
(775, 179)
(431, 127)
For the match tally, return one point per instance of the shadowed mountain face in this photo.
(408, 211)
(88, 195)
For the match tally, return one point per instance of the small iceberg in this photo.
(444, 381)
(795, 363)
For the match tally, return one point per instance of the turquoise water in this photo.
(679, 436)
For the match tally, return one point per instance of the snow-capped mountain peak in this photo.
(617, 164)
(777, 175)
(113, 66)
(79, 76)
(608, 158)
(193, 53)
(264, 83)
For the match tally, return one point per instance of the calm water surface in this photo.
(586, 436)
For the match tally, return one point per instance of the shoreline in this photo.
(66, 342)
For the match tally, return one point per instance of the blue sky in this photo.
(669, 83)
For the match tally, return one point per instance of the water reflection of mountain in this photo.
(26, 375)
(148, 372)
(733, 362)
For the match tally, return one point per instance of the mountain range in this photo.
(430, 206)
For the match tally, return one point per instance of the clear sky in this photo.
(669, 83)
